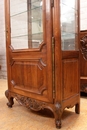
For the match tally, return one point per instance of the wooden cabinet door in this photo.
(70, 48)
(29, 66)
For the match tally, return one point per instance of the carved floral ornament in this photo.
(30, 103)
(83, 43)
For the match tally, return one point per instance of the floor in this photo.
(21, 118)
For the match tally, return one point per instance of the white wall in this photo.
(83, 14)
(3, 73)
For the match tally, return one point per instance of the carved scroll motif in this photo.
(30, 103)
(83, 43)
(10, 99)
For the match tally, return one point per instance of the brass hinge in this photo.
(53, 65)
(52, 3)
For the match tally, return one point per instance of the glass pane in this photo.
(69, 3)
(26, 23)
(69, 24)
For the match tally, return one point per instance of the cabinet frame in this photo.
(61, 80)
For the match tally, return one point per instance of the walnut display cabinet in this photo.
(43, 54)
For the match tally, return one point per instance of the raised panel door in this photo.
(29, 48)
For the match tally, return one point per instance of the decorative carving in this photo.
(36, 105)
(10, 99)
(13, 83)
(83, 88)
(11, 48)
(33, 62)
(39, 91)
(30, 103)
(83, 43)
(41, 64)
(42, 45)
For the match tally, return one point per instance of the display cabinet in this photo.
(43, 54)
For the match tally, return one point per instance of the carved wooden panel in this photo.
(30, 103)
(29, 75)
(70, 77)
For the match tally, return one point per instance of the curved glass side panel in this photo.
(26, 23)
(69, 27)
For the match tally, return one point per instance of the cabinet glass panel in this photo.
(69, 26)
(26, 23)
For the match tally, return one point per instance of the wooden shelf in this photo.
(83, 77)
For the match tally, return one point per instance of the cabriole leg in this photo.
(58, 115)
(10, 99)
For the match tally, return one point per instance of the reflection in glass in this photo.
(26, 23)
(69, 24)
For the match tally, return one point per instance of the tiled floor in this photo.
(21, 118)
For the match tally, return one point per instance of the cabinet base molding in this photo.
(37, 105)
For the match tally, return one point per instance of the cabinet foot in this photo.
(58, 115)
(58, 124)
(77, 108)
(10, 99)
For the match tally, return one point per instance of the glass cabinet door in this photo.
(26, 23)
(69, 27)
